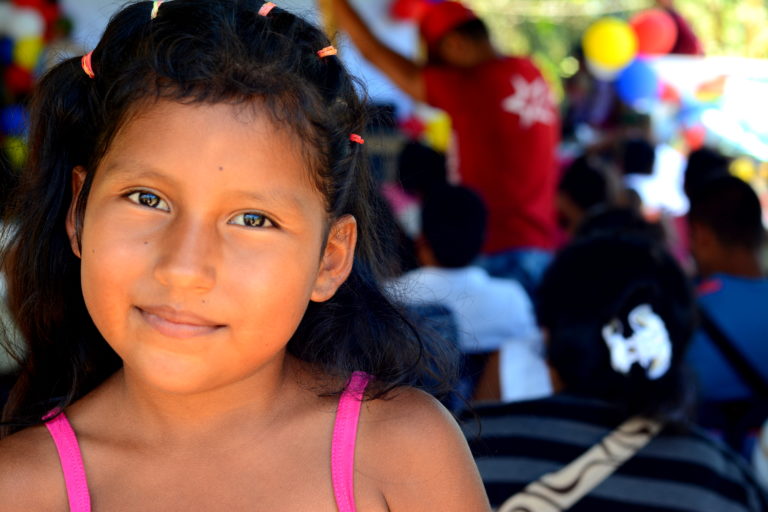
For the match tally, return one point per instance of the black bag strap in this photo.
(743, 366)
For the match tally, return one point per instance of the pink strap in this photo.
(344, 438)
(71, 461)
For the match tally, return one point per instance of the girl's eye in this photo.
(149, 200)
(252, 220)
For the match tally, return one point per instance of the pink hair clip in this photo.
(356, 138)
(155, 8)
(85, 62)
(327, 52)
(266, 8)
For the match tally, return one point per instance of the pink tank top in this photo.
(342, 450)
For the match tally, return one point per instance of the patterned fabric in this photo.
(678, 470)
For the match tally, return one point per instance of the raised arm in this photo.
(405, 73)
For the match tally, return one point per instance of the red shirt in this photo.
(507, 131)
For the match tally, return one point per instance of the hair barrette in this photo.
(85, 62)
(327, 52)
(266, 8)
(356, 138)
(155, 9)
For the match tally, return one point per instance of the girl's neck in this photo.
(256, 401)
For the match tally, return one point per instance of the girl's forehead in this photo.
(166, 136)
(225, 130)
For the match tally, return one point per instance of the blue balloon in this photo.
(13, 120)
(6, 51)
(638, 83)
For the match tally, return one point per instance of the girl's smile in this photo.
(203, 224)
(177, 323)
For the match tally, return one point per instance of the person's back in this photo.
(505, 123)
(507, 132)
(729, 354)
(619, 314)
(514, 444)
(488, 310)
(737, 305)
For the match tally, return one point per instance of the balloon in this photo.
(16, 151)
(17, 79)
(27, 51)
(26, 22)
(638, 83)
(610, 43)
(695, 137)
(437, 134)
(6, 51)
(13, 120)
(656, 32)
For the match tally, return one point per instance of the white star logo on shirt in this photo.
(531, 101)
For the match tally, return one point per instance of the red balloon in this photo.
(656, 32)
(18, 79)
(695, 137)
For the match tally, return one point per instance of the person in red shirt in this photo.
(505, 122)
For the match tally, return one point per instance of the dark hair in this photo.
(637, 157)
(453, 223)
(585, 184)
(621, 222)
(598, 280)
(197, 51)
(703, 165)
(731, 209)
(474, 29)
(420, 168)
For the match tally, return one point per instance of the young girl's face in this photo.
(202, 244)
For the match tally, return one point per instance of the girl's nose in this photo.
(186, 255)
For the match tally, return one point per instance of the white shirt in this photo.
(488, 310)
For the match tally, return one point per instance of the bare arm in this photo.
(405, 73)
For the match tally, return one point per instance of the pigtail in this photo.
(41, 269)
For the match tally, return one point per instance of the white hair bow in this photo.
(648, 346)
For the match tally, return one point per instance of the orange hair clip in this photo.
(85, 62)
(327, 52)
(155, 9)
(356, 138)
(266, 8)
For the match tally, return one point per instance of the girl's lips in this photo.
(176, 323)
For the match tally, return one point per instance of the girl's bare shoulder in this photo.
(30, 472)
(414, 449)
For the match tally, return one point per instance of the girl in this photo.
(194, 271)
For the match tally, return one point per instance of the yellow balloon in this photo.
(27, 51)
(16, 150)
(610, 43)
(743, 167)
(437, 133)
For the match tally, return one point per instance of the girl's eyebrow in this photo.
(122, 169)
(126, 170)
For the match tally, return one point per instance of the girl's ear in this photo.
(78, 177)
(337, 260)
